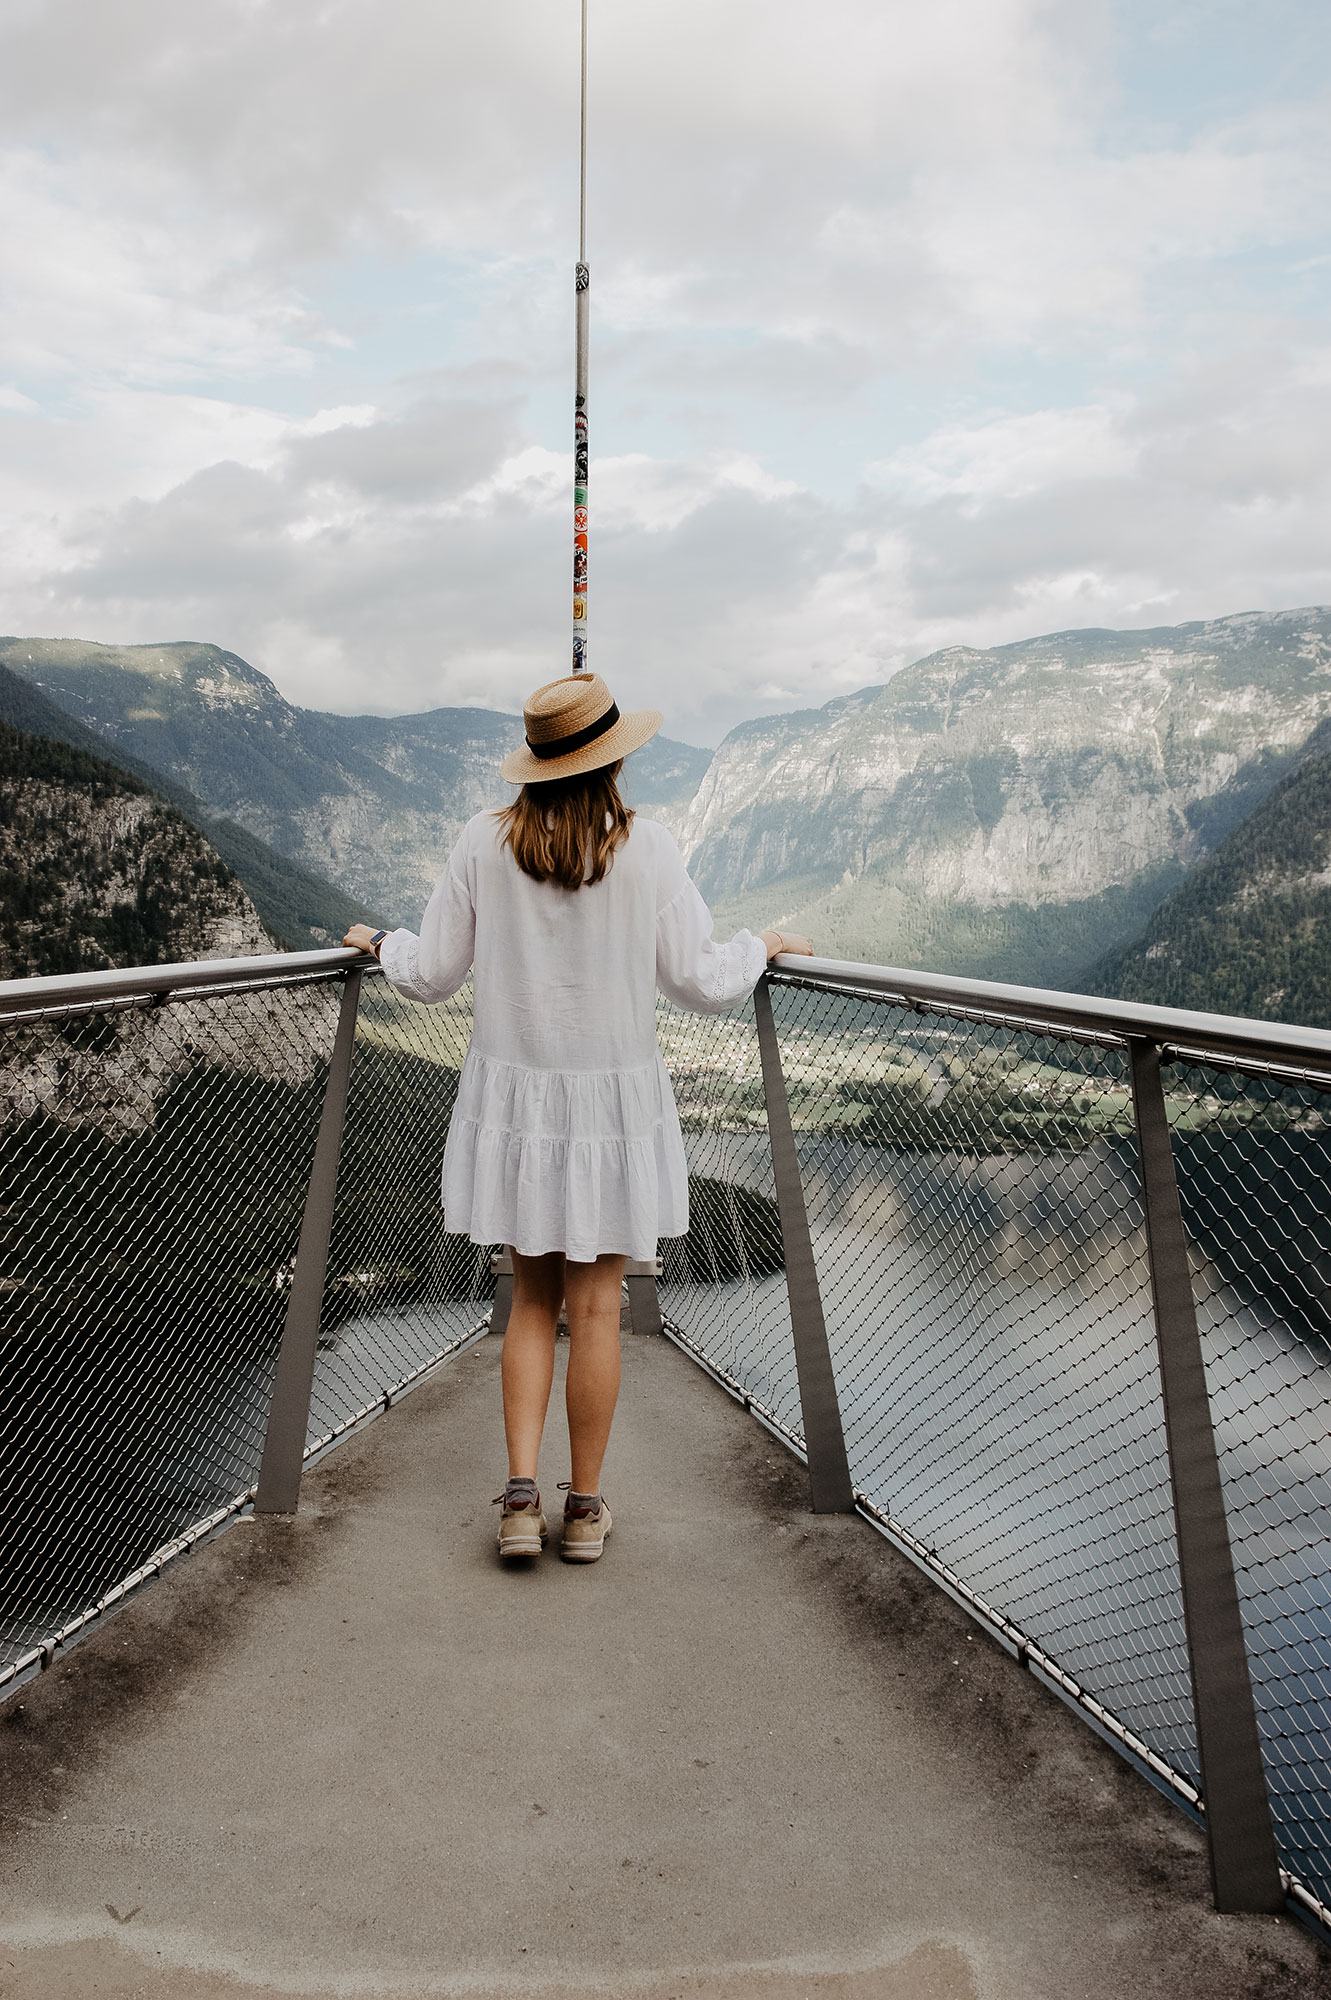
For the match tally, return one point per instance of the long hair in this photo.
(568, 830)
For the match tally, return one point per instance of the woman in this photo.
(564, 1141)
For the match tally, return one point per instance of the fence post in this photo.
(824, 1440)
(1245, 1873)
(644, 1305)
(289, 1411)
(501, 1270)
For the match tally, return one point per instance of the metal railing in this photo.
(1038, 1283)
(171, 1254)
(1026, 1230)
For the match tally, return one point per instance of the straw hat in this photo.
(574, 725)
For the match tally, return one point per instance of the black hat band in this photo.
(562, 745)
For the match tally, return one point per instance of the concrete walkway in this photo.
(751, 1753)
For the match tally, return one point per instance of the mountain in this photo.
(300, 910)
(374, 803)
(1016, 812)
(1249, 929)
(95, 871)
(1009, 813)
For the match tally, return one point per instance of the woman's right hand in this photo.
(789, 941)
(362, 938)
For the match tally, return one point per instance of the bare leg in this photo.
(592, 1390)
(529, 1356)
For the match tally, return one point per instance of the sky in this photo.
(912, 326)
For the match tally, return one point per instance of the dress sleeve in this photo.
(691, 968)
(434, 965)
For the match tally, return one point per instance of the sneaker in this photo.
(585, 1530)
(522, 1525)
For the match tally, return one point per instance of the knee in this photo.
(598, 1309)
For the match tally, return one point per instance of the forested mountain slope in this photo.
(1249, 930)
(95, 871)
(1009, 813)
(372, 802)
(300, 909)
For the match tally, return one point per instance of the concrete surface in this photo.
(751, 1754)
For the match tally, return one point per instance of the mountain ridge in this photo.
(1012, 812)
(299, 909)
(373, 802)
(982, 802)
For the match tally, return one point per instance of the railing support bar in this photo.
(644, 1304)
(1245, 1873)
(501, 1270)
(289, 1411)
(824, 1440)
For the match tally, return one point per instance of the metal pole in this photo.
(1245, 1873)
(824, 1441)
(582, 293)
(289, 1411)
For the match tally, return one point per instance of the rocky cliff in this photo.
(96, 871)
(372, 803)
(1249, 931)
(300, 910)
(1011, 812)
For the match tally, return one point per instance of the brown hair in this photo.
(568, 830)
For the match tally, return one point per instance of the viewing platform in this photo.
(752, 1753)
(966, 1624)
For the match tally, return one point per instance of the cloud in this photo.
(1009, 457)
(415, 558)
(911, 325)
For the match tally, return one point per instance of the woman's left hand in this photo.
(361, 938)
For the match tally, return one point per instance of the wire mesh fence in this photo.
(154, 1159)
(1253, 1156)
(975, 1204)
(723, 1285)
(974, 1200)
(400, 1292)
(153, 1164)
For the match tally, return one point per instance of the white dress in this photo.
(565, 1134)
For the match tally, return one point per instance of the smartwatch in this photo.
(376, 941)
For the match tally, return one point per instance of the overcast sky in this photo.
(912, 325)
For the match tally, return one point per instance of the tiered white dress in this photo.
(565, 1134)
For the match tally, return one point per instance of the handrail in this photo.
(1172, 1027)
(81, 989)
(1029, 1006)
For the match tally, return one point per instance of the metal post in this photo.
(824, 1441)
(644, 1306)
(289, 1411)
(1245, 1873)
(582, 297)
(501, 1269)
